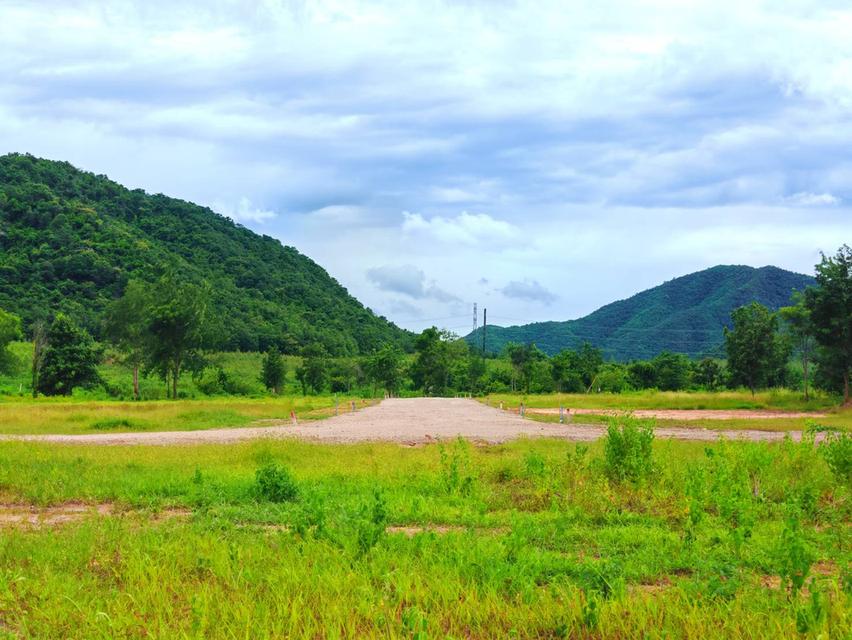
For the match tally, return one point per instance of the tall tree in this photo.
(830, 306)
(797, 322)
(313, 372)
(756, 353)
(272, 370)
(432, 364)
(385, 368)
(70, 358)
(707, 373)
(39, 345)
(10, 329)
(178, 329)
(126, 325)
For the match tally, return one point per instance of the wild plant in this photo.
(456, 475)
(837, 451)
(372, 523)
(794, 555)
(628, 455)
(274, 483)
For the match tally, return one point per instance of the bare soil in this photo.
(33, 516)
(413, 421)
(686, 414)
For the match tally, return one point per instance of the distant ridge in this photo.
(70, 240)
(684, 315)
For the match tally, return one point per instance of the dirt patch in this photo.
(685, 414)
(35, 517)
(410, 422)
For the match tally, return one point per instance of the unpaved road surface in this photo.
(409, 421)
(685, 414)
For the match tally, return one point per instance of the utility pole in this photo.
(484, 329)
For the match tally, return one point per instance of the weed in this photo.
(837, 451)
(793, 553)
(274, 483)
(628, 455)
(114, 423)
(456, 475)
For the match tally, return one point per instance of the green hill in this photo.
(70, 240)
(684, 315)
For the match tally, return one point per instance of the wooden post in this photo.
(561, 414)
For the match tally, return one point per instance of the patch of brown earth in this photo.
(13, 515)
(685, 414)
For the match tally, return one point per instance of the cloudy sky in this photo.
(539, 158)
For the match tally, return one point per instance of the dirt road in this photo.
(410, 421)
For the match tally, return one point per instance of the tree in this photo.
(642, 374)
(70, 358)
(756, 353)
(39, 345)
(385, 368)
(797, 320)
(10, 329)
(671, 371)
(177, 329)
(313, 372)
(432, 363)
(272, 370)
(126, 325)
(830, 307)
(707, 373)
(589, 361)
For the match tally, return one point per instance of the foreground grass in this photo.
(53, 415)
(541, 542)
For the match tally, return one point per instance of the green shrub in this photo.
(837, 451)
(627, 449)
(274, 483)
(114, 423)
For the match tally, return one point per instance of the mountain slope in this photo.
(685, 315)
(70, 240)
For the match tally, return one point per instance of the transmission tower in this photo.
(475, 320)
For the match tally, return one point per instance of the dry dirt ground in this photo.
(410, 421)
(686, 414)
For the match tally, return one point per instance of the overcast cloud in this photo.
(539, 158)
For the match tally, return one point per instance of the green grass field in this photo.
(60, 415)
(533, 539)
(836, 417)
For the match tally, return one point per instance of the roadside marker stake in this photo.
(561, 414)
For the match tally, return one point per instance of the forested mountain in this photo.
(684, 315)
(70, 241)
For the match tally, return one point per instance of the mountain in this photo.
(684, 315)
(70, 240)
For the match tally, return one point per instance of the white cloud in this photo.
(466, 228)
(807, 199)
(408, 280)
(244, 211)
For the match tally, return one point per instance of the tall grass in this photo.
(531, 539)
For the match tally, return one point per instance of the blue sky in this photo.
(539, 158)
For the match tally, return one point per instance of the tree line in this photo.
(166, 329)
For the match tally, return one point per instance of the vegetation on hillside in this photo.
(70, 242)
(685, 315)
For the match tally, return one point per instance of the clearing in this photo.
(409, 421)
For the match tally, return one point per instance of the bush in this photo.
(837, 451)
(627, 449)
(275, 484)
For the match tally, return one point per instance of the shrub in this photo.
(837, 451)
(627, 449)
(274, 483)
(456, 477)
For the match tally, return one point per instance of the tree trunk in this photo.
(136, 382)
(846, 400)
(805, 375)
(175, 375)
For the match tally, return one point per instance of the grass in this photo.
(539, 541)
(836, 417)
(78, 416)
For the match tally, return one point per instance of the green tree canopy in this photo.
(272, 370)
(10, 329)
(830, 307)
(70, 359)
(757, 355)
(385, 368)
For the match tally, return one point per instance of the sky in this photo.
(538, 158)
